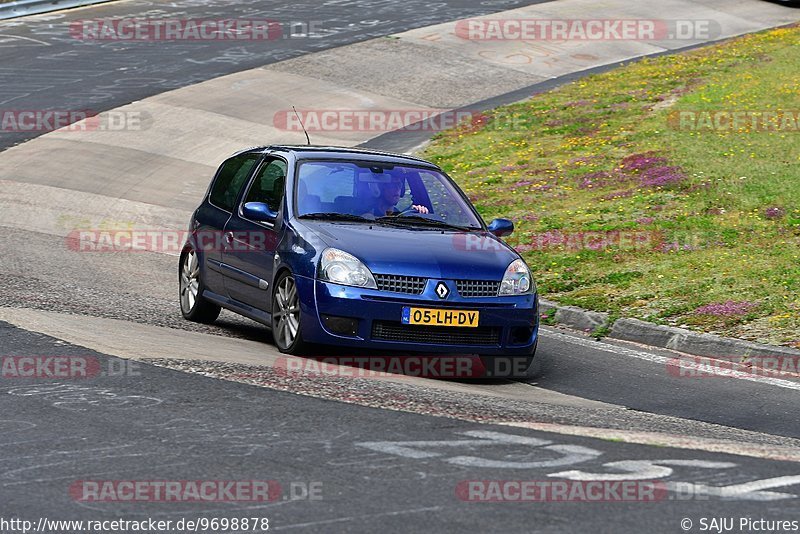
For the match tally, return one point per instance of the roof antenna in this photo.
(296, 114)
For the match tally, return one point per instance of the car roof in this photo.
(344, 153)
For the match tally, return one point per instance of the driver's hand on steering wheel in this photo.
(420, 208)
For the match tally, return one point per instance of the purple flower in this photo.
(640, 162)
(662, 176)
(774, 213)
(728, 308)
(645, 220)
(593, 179)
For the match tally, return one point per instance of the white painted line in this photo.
(740, 448)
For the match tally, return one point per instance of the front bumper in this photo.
(507, 325)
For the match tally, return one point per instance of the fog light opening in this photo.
(521, 335)
(343, 326)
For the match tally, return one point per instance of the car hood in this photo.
(424, 252)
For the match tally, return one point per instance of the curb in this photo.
(665, 337)
(574, 317)
(22, 8)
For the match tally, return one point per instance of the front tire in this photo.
(286, 322)
(194, 306)
(513, 367)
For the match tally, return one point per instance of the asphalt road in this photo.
(334, 466)
(43, 66)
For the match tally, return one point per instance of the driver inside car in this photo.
(390, 194)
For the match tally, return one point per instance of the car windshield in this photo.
(372, 191)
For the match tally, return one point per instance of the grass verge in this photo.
(666, 190)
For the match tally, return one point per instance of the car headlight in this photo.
(517, 280)
(339, 267)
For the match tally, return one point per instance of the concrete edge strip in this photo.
(23, 8)
(754, 450)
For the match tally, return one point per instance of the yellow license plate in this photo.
(436, 317)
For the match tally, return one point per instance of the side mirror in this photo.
(501, 227)
(258, 211)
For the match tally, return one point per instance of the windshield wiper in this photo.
(421, 221)
(333, 216)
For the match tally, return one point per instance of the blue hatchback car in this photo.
(360, 249)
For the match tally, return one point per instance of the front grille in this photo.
(477, 288)
(439, 335)
(413, 285)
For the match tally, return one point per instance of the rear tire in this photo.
(194, 306)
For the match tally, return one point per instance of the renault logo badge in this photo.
(442, 291)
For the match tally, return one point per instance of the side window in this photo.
(269, 184)
(230, 179)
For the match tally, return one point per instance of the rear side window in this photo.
(230, 180)
(268, 186)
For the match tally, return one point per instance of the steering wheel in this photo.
(409, 211)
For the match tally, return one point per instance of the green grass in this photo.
(721, 227)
